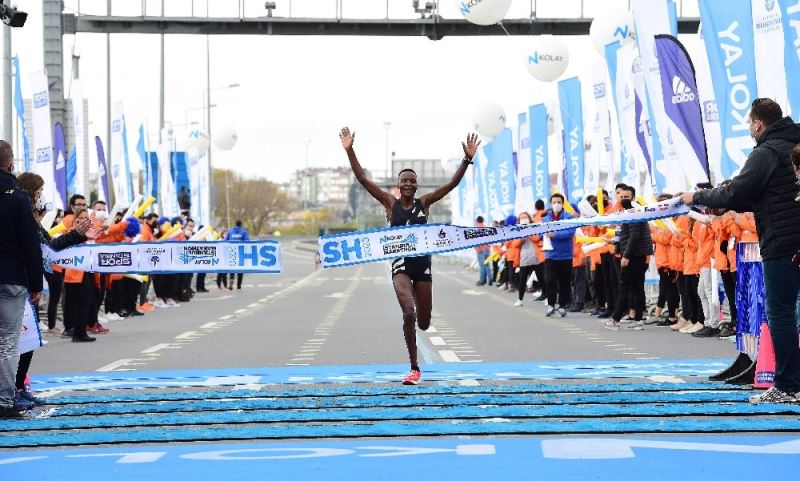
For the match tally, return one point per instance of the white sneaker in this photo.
(172, 303)
(159, 303)
(518, 303)
(695, 328)
(102, 317)
(113, 316)
(636, 326)
(536, 294)
(550, 311)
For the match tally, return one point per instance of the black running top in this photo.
(415, 215)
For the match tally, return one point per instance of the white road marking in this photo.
(255, 304)
(437, 341)
(186, 335)
(469, 382)
(247, 387)
(225, 318)
(209, 325)
(449, 356)
(114, 365)
(431, 329)
(671, 379)
(155, 348)
(240, 311)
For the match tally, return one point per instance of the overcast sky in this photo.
(296, 90)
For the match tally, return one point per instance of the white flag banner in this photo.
(262, 256)
(626, 112)
(708, 105)
(769, 46)
(601, 152)
(168, 197)
(652, 18)
(30, 337)
(524, 201)
(43, 139)
(351, 248)
(119, 170)
(81, 155)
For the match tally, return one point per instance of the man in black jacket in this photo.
(635, 244)
(767, 185)
(20, 273)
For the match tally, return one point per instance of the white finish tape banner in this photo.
(262, 256)
(351, 248)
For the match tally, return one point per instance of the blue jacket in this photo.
(563, 240)
(237, 234)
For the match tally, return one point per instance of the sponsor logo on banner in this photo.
(69, 261)
(526, 181)
(442, 240)
(199, 255)
(40, 100)
(155, 254)
(43, 154)
(599, 90)
(347, 250)
(252, 256)
(710, 112)
(478, 232)
(399, 243)
(681, 93)
(116, 125)
(114, 259)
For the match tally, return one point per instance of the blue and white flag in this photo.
(102, 176)
(81, 145)
(60, 166)
(728, 35)
(120, 175)
(72, 171)
(790, 17)
(152, 177)
(43, 136)
(499, 174)
(19, 106)
(140, 150)
(569, 96)
(540, 166)
(524, 189)
(602, 152)
(679, 85)
(620, 60)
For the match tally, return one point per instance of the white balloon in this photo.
(549, 58)
(489, 119)
(225, 137)
(611, 26)
(484, 12)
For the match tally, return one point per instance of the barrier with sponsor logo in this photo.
(261, 256)
(359, 247)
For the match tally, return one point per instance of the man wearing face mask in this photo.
(635, 245)
(767, 185)
(558, 260)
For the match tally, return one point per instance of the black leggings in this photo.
(668, 291)
(22, 368)
(631, 289)
(524, 273)
(692, 307)
(559, 278)
(222, 280)
(55, 284)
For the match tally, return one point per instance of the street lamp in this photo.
(387, 126)
(208, 105)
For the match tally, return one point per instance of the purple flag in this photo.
(60, 165)
(102, 178)
(681, 102)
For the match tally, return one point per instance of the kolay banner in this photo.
(262, 257)
(569, 96)
(337, 250)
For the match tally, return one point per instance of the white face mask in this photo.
(524, 221)
(557, 207)
(101, 214)
(40, 205)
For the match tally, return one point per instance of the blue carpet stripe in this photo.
(398, 429)
(269, 403)
(405, 413)
(397, 391)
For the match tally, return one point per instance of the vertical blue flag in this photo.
(728, 28)
(60, 165)
(541, 169)
(569, 96)
(127, 173)
(153, 177)
(19, 106)
(143, 156)
(500, 175)
(790, 15)
(72, 171)
(102, 175)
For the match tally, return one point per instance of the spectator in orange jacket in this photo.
(709, 299)
(668, 295)
(78, 296)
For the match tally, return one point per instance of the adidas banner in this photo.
(337, 250)
(681, 102)
(169, 257)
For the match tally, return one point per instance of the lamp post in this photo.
(387, 126)
(207, 126)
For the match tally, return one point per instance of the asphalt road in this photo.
(350, 316)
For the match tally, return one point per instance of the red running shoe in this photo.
(97, 329)
(413, 378)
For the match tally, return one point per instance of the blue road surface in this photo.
(776, 458)
(380, 373)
